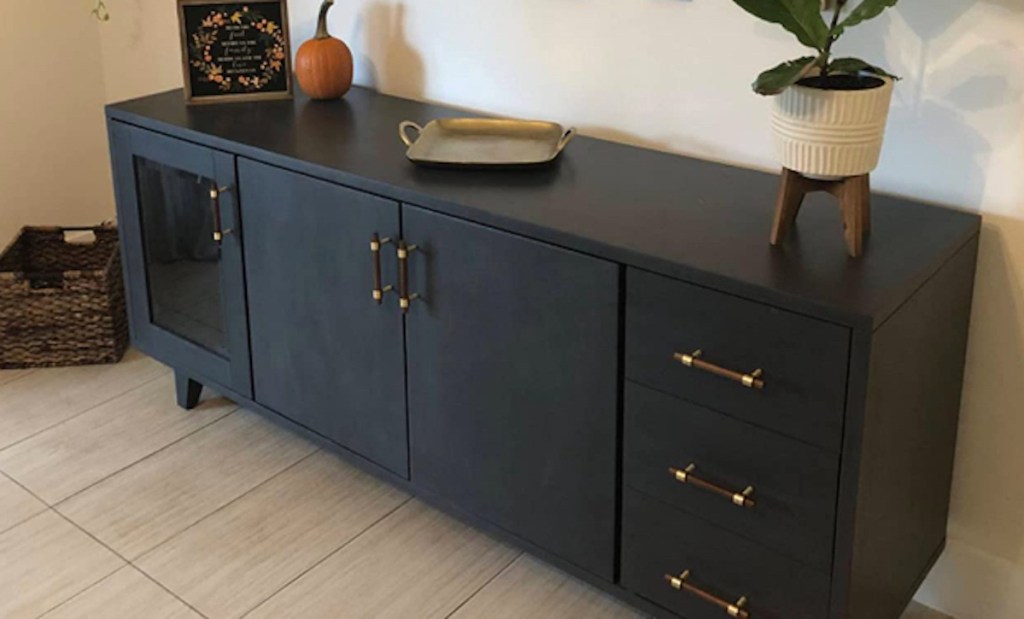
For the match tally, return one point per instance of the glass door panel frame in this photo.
(182, 257)
(232, 371)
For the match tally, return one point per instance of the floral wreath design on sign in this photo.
(209, 34)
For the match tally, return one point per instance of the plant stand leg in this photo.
(853, 193)
(866, 208)
(188, 390)
(787, 206)
(854, 200)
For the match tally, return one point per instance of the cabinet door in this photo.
(325, 353)
(513, 380)
(186, 289)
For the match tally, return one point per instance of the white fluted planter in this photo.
(831, 134)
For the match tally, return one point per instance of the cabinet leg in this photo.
(188, 390)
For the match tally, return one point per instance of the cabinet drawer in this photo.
(660, 542)
(803, 360)
(795, 484)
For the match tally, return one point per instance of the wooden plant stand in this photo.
(854, 194)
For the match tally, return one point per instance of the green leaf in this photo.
(868, 9)
(801, 17)
(808, 14)
(774, 81)
(854, 66)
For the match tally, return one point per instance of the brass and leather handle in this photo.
(376, 243)
(405, 298)
(753, 380)
(733, 609)
(686, 476)
(218, 230)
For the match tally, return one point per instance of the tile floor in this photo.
(116, 504)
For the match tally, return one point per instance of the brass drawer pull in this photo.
(376, 243)
(405, 298)
(734, 609)
(686, 476)
(218, 232)
(753, 380)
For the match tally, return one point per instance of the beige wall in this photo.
(140, 49)
(53, 154)
(674, 75)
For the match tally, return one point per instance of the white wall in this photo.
(674, 75)
(53, 156)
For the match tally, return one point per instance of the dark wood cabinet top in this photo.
(704, 222)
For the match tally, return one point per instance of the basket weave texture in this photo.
(61, 303)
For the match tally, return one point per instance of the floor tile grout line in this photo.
(167, 589)
(224, 506)
(144, 458)
(53, 509)
(24, 520)
(82, 412)
(74, 524)
(486, 584)
(30, 493)
(28, 372)
(26, 489)
(126, 562)
(83, 591)
(327, 556)
(90, 585)
(126, 566)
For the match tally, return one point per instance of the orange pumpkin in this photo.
(323, 65)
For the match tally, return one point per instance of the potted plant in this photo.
(830, 113)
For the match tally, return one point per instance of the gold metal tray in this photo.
(483, 142)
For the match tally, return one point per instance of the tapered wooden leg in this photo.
(866, 211)
(188, 391)
(854, 200)
(787, 206)
(853, 193)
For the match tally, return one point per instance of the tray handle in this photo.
(567, 137)
(404, 133)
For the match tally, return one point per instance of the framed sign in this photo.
(235, 51)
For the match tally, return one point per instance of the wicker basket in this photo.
(61, 303)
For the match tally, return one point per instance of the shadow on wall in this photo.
(385, 60)
(961, 92)
(956, 105)
(680, 144)
(974, 95)
(624, 137)
(955, 117)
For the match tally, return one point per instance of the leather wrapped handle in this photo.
(405, 298)
(378, 285)
(753, 380)
(687, 476)
(218, 231)
(733, 609)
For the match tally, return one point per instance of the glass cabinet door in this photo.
(178, 218)
(183, 261)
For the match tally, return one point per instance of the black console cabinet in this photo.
(527, 441)
(323, 353)
(601, 360)
(186, 298)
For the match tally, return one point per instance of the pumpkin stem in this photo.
(321, 24)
